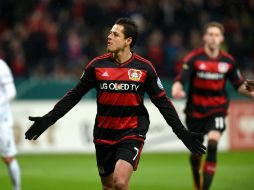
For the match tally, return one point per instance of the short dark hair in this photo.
(214, 24)
(130, 29)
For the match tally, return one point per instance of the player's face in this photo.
(116, 39)
(213, 38)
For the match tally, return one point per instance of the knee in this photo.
(107, 187)
(8, 160)
(120, 184)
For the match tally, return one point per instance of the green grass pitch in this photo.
(156, 172)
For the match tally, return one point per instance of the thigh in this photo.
(106, 159)
(130, 151)
(216, 124)
(7, 142)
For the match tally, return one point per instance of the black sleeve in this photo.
(186, 71)
(73, 96)
(159, 98)
(235, 76)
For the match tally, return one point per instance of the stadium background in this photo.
(48, 42)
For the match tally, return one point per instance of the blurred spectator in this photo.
(54, 38)
(173, 49)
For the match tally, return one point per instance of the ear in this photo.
(128, 41)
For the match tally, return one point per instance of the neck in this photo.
(213, 53)
(122, 56)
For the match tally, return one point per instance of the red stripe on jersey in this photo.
(212, 66)
(208, 101)
(117, 122)
(119, 99)
(208, 84)
(202, 115)
(162, 93)
(104, 141)
(124, 74)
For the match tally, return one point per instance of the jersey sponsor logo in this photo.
(119, 86)
(223, 67)
(210, 76)
(134, 74)
(159, 83)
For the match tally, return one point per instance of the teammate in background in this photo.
(206, 71)
(121, 78)
(7, 142)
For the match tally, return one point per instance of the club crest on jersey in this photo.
(134, 74)
(223, 67)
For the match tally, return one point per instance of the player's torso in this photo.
(207, 91)
(5, 110)
(120, 93)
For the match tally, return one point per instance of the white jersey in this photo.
(6, 80)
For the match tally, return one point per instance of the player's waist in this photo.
(112, 142)
(208, 113)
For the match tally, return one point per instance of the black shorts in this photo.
(108, 155)
(204, 125)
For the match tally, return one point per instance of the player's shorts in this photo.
(7, 142)
(108, 155)
(204, 125)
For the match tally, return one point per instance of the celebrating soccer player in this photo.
(121, 78)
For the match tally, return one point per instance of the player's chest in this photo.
(120, 79)
(213, 70)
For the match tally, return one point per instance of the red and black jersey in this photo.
(121, 113)
(207, 82)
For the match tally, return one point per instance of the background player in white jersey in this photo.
(7, 143)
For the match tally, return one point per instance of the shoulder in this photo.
(227, 55)
(193, 54)
(144, 61)
(98, 59)
(3, 64)
(4, 67)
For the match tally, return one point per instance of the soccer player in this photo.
(7, 142)
(206, 70)
(121, 78)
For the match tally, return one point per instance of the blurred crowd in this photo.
(56, 38)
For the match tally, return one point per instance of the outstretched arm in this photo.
(158, 96)
(69, 100)
(190, 139)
